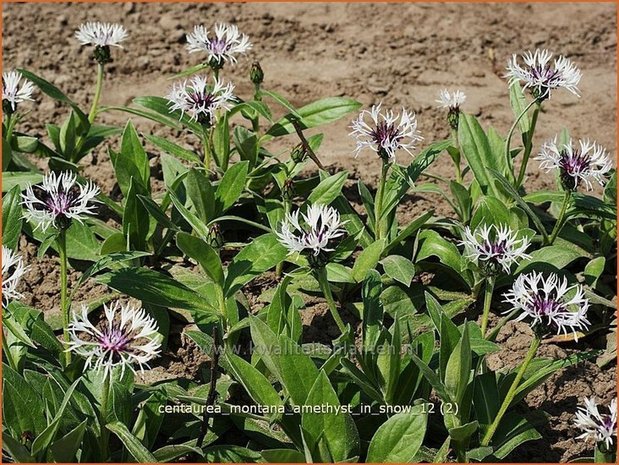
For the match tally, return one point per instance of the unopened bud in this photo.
(256, 74)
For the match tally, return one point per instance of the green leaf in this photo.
(367, 260)
(399, 268)
(262, 254)
(475, 147)
(20, 179)
(173, 149)
(328, 189)
(201, 193)
(372, 310)
(246, 143)
(11, 218)
(509, 189)
(464, 432)
(204, 254)
(160, 106)
(315, 114)
(513, 431)
(133, 445)
(231, 186)
(411, 228)
(336, 430)
(196, 223)
(458, 368)
(283, 456)
(172, 452)
(46, 437)
(553, 255)
(519, 103)
(155, 288)
(398, 439)
(135, 218)
(285, 359)
(255, 383)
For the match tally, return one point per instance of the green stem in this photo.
(103, 415)
(378, 205)
(64, 307)
(280, 266)
(454, 138)
(321, 276)
(561, 219)
(98, 88)
(207, 149)
(508, 157)
(487, 303)
(512, 390)
(528, 146)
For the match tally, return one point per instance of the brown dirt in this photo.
(401, 54)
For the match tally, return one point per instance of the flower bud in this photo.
(215, 237)
(256, 74)
(298, 153)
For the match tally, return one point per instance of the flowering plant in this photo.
(219, 190)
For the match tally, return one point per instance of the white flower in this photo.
(451, 100)
(199, 99)
(312, 231)
(101, 34)
(12, 92)
(13, 269)
(546, 302)
(385, 134)
(589, 162)
(600, 426)
(492, 247)
(126, 337)
(58, 200)
(223, 46)
(539, 75)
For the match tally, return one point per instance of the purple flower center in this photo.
(545, 75)
(575, 163)
(607, 422)
(115, 341)
(385, 135)
(202, 100)
(58, 204)
(546, 305)
(496, 249)
(219, 46)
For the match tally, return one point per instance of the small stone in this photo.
(129, 7)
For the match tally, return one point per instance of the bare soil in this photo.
(401, 54)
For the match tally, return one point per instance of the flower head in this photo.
(13, 269)
(583, 164)
(541, 76)
(311, 232)
(601, 426)
(126, 337)
(101, 34)
(550, 302)
(222, 46)
(14, 93)
(494, 248)
(451, 100)
(200, 100)
(58, 200)
(386, 132)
